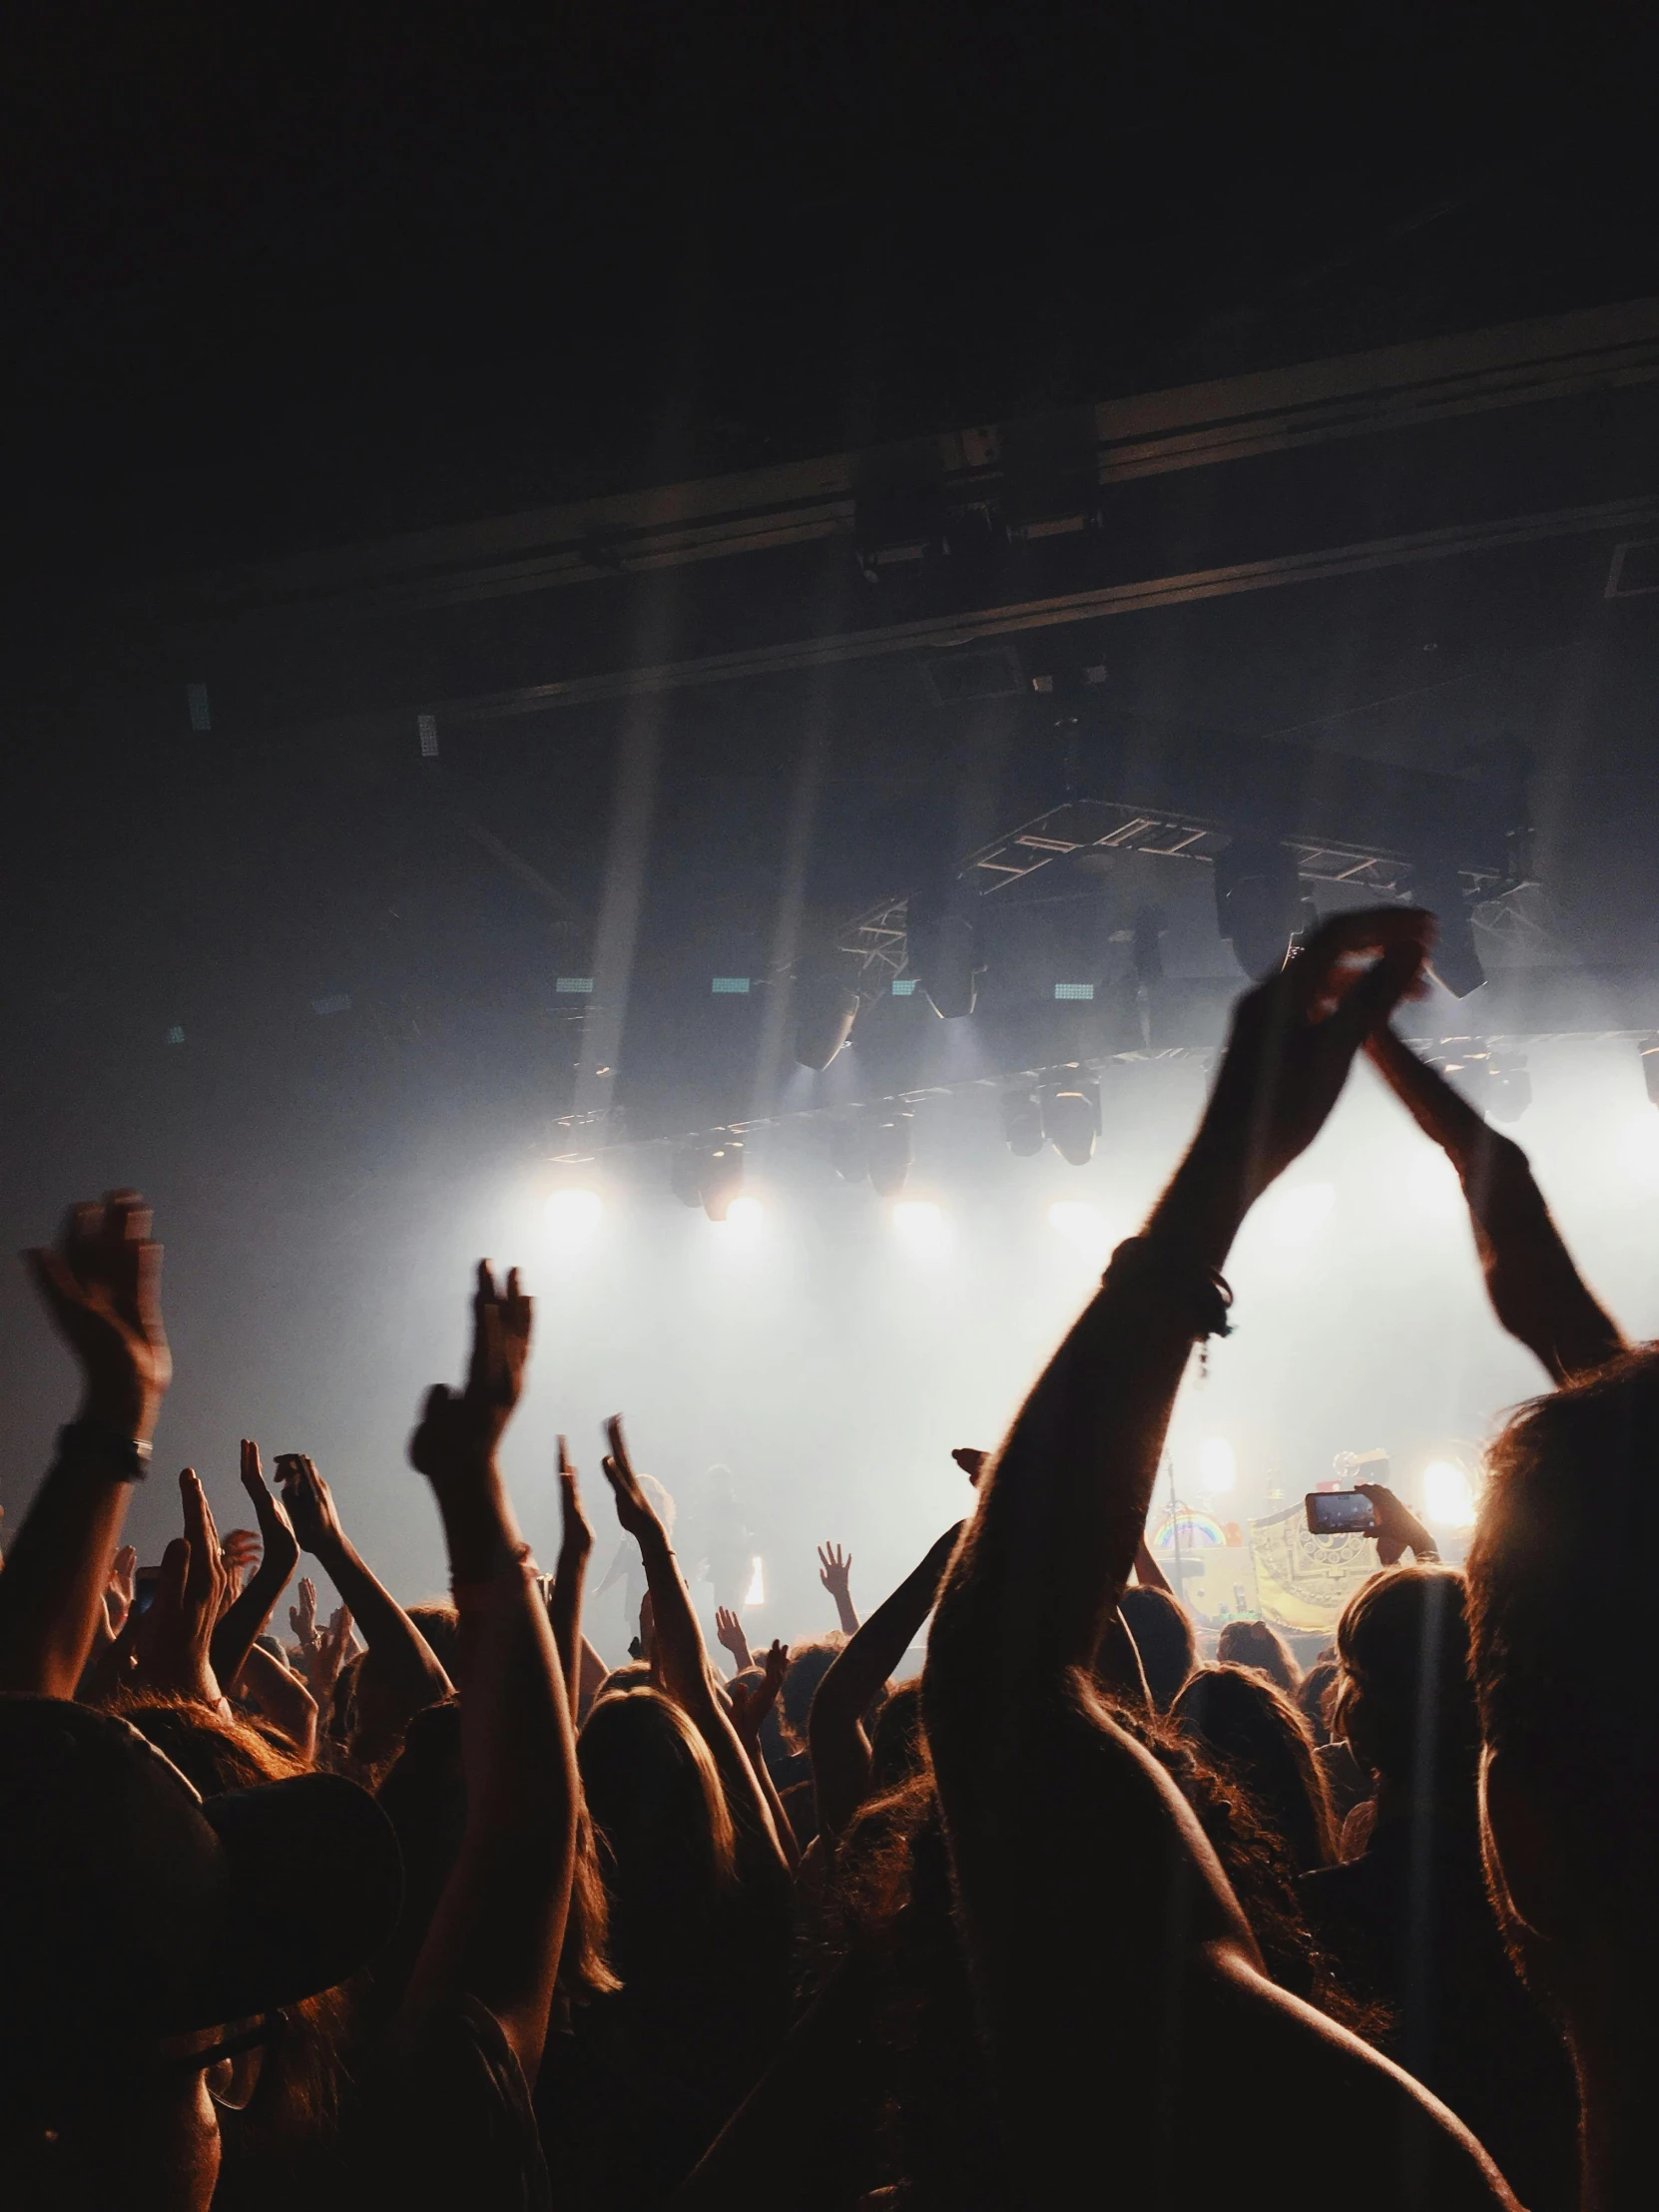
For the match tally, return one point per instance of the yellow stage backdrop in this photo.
(1304, 1581)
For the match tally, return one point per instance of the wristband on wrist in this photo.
(1197, 1296)
(121, 1455)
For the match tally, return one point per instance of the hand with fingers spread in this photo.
(310, 1506)
(101, 1283)
(834, 1568)
(729, 1635)
(174, 1639)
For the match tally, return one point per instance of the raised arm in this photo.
(500, 1922)
(835, 1726)
(413, 1676)
(1105, 1945)
(1535, 1289)
(835, 1571)
(101, 1285)
(564, 1604)
(679, 1656)
(244, 1617)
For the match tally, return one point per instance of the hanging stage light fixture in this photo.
(1071, 1119)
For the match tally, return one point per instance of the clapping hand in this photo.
(310, 1512)
(101, 1283)
(276, 1541)
(241, 1549)
(576, 1533)
(118, 1593)
(173, 1639)
(459, 1430)
(634, 1509)
(303, 1617)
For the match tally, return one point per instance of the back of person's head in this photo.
(441, 1624)
(1314, 1696)
(1559, 1613)
(146, 1919)
(1244, 1723)
(1402, 1698)
(1163, 1633)
(664, 1832)
(897, 1743)
(809, 1664)
(1255, 1644)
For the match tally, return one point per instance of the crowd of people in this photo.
(424, 1905)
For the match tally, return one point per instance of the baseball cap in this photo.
(133, 1908)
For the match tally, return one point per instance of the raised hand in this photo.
(329, 1654)
(576, 1532)
(240, 1548)
(971, 1460)
(303, 1617)
(833, 1568)
(634, 1509)
(101, 1283)
(310, 1514)
(1398, 1528)
(1294, 1036)
(279, 1544)
(173, 1640)
(119, 1591)
(751, 1702)
(459, 1430)
(729, 1633)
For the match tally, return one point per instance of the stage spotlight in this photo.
(1217, 1470)
(1454, 963)
(685, 1174)
(756, 1595)
(1649, 1050)
(1509, 1089)
(1258, 903)
(1071, 1119)
(1447, 1495)
(572, 1218)
(850, 1151)
(745, 1219)
(722, 1178)
(1022, 1124)
(918, 1222)
(941, 949)
(889, 1154)
(825, 1010)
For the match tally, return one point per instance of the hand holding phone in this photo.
(1340, 1513)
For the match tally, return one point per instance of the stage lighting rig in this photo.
(889, 1153)
(710, 1176)
(942, 947)
(1508, 1087)
(1022, 1124)
(1258, 903)
(1071, 1119)
(1454, 962)
(825, 1010)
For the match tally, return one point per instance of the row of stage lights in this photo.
(574, 1218)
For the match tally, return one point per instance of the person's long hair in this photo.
(1256, 1644)
(1242, 1722)
(666, 1845)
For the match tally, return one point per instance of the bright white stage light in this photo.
(573, 1219)
(1084, 1227)
(1217, 1470)
(1447, 1495)
(919, 1225)
(756, 1595)
(1299, 1215)
(745, 1219)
